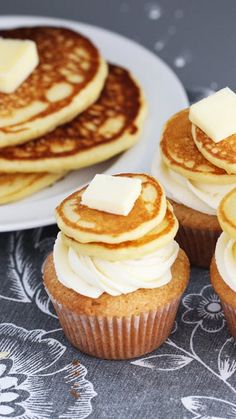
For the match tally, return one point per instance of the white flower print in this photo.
(29, 374)
(21, 260)
(205, 309)
(11, 394)
(209, 407)
(205, 314)
(227, 359)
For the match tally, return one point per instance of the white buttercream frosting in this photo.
(203, 197)
(225, 255)
(92, 277)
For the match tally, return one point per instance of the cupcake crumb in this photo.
(74, 393)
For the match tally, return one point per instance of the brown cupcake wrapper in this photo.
(117, 337)
(199, 245)
(230, 316)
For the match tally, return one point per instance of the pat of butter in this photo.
(216, 115)
(114, 194)
(18, 59)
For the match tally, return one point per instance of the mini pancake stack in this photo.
(107, 244)
(150, 225)
(222, 154)
(74, 110)
(223, 266)
(196, 175)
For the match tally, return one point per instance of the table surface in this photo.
(193, 374)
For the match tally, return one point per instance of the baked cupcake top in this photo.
(187, 174)
(225, 253)
(100, 251)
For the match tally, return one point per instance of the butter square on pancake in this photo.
(216, 114)
(113, 194)
(18, 59)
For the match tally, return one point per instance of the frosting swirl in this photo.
(225, 255)
(203, 197)
(92, 277)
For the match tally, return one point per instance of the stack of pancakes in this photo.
(179, 152)
(74, 110)
(221, 154)
(227, 214)
(197, 173)
(150, 225)
(224, 261)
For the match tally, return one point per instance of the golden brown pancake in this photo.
(222, 154)
(106, 128)
(16, 186)
(227, 213)
(161, 235)
(180, 153)
(69, 78)
(85, 225)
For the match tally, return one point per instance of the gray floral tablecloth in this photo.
(42, 376)
(193, 374)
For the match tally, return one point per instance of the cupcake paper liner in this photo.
(230, 316)
(199, 245)
(115, 337)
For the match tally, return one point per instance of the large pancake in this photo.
(16, 186)
(180, 153)
(227, 213)
(86, 225)
(160, 236)
(106, 128)
(68, 79)
(222, 154)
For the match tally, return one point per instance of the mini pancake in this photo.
(69, 78)
(109, 126)
(16, 186)
(86, 225)
(180, 153)
(222, 154)
(160, 236)
(227, 213)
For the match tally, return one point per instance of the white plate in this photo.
(164, 93)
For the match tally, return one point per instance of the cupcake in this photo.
(194, 185)
(116, 274)
(223, 265)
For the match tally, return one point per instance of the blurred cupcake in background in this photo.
(223, 266)
(194, 183)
